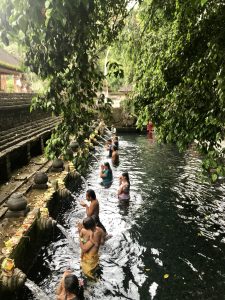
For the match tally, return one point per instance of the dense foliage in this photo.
(172, 51)
(179, 73)
(63, 39)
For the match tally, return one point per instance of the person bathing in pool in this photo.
(115, 156)
(70, 287)
(106, 174)
(86, 232)
(93, 209)
(90, 244)
(124, 188)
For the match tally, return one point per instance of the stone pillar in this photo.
(17, 83)
(28, 152)
(0, 82)
(3, 82)
(42, 145)
(14, 82)
(8, 166)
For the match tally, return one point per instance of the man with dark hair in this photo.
(115, 156)
(91, 193)
(93, 209)
(109, 147)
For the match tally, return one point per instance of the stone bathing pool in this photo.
(168, 242)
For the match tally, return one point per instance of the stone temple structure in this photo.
(22, 134)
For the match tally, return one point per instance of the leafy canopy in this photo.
(179, 73)
(62, 40)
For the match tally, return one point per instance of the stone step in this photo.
(16, 131)
(6, 96)
(15, 103)
(28, 134)
(11, 99)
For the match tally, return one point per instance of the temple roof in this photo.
(9, 64)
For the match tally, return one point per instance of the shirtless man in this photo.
(93, 209)
(90, 257)
(115, 156)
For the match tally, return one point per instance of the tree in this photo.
(179, 74)
(63, 39)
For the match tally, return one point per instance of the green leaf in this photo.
(214, 177)
(203, 2)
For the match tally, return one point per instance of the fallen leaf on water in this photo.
(166, 276)
(147, 270)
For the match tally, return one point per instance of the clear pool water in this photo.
(168, 243)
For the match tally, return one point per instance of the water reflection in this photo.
(168, 242)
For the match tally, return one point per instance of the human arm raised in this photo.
(102, 174)
(91, 209)
(120, 190)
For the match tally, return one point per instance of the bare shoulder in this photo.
(98, 235)
(99, 230)
(94, 203)
(82, 231)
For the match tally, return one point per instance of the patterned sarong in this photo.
(89, 263)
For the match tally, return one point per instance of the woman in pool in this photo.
(106, 174)
(70, 287)
(86, 232)
(124, 188)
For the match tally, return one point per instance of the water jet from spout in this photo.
(100, 144)
(68, 237)
(36, 290)
(95, 157)
(85, 181)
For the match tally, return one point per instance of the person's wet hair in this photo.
(89, 223)
(126, 175)
(91, 193)
(71, 284)
(94, 217)
(115, 148)
(107, 165)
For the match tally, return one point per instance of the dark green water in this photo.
(174, 225)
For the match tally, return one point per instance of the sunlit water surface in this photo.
(168, 243)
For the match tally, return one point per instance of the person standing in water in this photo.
(124, 188)
(93, 209)
(106, 174)
(113, 129)
(90, 248)
(115, 141)
(86, 233)
(115, 156)
(150, 127)
(70, 287)
(109, 147)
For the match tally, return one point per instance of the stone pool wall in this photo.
(29, 233)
